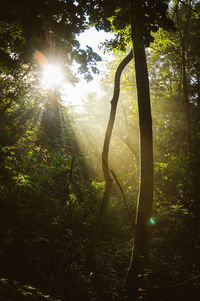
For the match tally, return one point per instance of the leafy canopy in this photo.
(117, 16)
(46, 26)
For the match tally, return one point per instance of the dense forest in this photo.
(100, 202)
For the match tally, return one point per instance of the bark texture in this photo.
(140, 250)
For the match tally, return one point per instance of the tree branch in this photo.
(124, 198)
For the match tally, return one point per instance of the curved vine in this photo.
(105, 166)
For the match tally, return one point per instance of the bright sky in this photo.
(93, 38)
(74, 95)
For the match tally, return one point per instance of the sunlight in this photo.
(52, 76)
(74, 95)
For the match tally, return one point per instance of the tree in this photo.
(48, 206)
(145, 17)
(182, 32)
(105, 164)
(145, 198)
(174, 65)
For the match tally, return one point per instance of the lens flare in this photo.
(152, 221)
(42, 60)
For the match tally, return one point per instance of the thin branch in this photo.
(179, 284)
(124, 198)
(129, 146)
(188, 6)
(184, 282)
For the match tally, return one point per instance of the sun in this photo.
(52, 76)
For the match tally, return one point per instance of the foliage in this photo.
(116, 18)
(16, 291)
(48, 27)
(51, 182)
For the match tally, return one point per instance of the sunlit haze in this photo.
(52, 76)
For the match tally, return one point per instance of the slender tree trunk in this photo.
(198, 88)
(140, 251)
(185, 93)
(182, 36)
(105, 166)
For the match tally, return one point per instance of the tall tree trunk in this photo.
(105, 166)
(140, 249)
(182, 35)
(185, 93)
